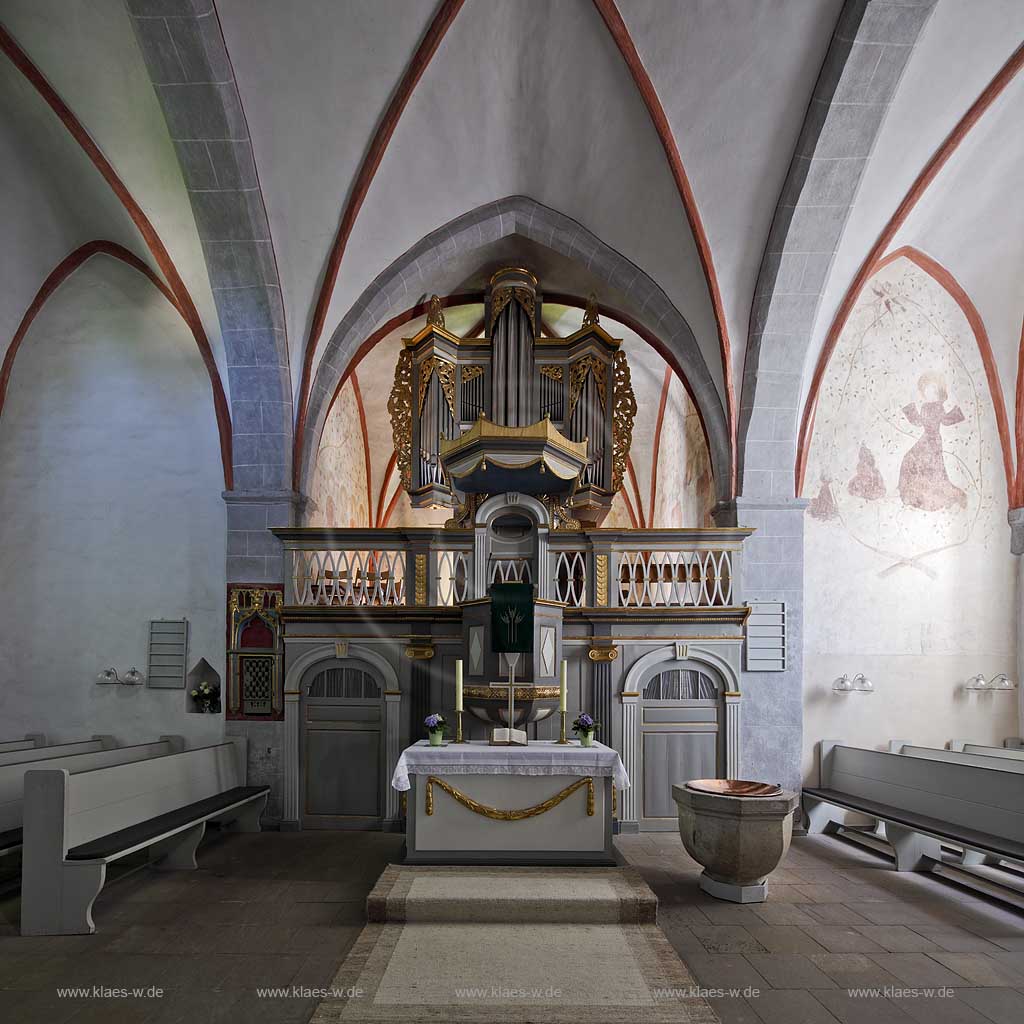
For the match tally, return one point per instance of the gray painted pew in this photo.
(921, 801)
(1011, 753)
(32, 739)
(970, 858)
(77, 824)
(57, 750)
(12, 778)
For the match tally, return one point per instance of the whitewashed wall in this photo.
(110, 511)
(908, 571)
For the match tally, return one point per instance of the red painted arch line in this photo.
(183, 301)
(56, 278)
(949, 283)
(876, 258)
(428, 46)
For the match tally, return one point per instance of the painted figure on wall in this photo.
(867, 483)
(921, 476)
(924, 481)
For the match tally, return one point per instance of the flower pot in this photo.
(587, 738)
(436, 737)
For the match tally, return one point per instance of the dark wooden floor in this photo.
(282, 910)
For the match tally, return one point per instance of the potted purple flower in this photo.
(436, 726)
(585, 727)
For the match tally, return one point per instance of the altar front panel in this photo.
(562, 834)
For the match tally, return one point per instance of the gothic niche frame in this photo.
(255, 653)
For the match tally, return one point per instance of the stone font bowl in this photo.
(738, 830)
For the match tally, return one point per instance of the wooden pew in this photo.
(1008, 753)
(921, 801)
(12, 778)
(969, 858)
(32, 739)
(77, 824)
(57, 750)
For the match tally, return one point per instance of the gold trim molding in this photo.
(522, 692)
(495, 814)
(603, 653)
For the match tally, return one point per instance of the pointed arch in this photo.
(874, 258)
(954, 289)
(183, 300)
(53, 281)
(624, 41)
(364, 178)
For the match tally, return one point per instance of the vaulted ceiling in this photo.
(664, 128)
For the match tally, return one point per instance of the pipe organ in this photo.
(513, 411)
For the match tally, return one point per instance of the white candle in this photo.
(458, 684)
(563, 688)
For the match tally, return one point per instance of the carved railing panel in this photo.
(674, 579)
(364, 578)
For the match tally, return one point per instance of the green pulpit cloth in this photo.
(512, 618)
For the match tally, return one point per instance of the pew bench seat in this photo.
(10, 841)
(163, 826)
(997, 846)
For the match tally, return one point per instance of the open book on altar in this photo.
(508, 738)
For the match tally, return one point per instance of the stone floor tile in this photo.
(1009, 942)
(247, 972)
(717, 970)
(785, 939)
(782, 913)
(853, 1009)
(1000, 1005)
(896, 938)
(682, 938)
(734, 1010)
(980, 969)
(956, 940)
(939, 1009)
(726, 913)
(852, 970)
(789, 970)
(917, 970)
(726, 939)
(790, 1006)
(834, 913)
(841, 938)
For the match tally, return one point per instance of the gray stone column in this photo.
(1015, 517)
(771, 727)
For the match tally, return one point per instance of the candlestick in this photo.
(563, 688)
(458, 684)
(561, 730)
(458, 728)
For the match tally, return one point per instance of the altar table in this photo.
(546, 803)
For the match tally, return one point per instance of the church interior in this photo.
(512, 510)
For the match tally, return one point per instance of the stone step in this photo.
(536, 895)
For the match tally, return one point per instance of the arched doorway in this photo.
(342, 743)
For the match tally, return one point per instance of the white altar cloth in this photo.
(541, 757)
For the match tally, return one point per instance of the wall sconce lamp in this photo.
(109, 676)
(859, 684)
(1000, 683)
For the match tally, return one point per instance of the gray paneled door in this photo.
(342, 748)
(679, 741)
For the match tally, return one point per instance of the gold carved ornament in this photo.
(552, 373)
(435, 312)
(400, 408)
(471, 373)
(601, 571)
(421, 579)
(578, 375)
(590, 316)
(603, 653)
(623, 414)
(515, 815)
(501, 298)
(445, 374)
